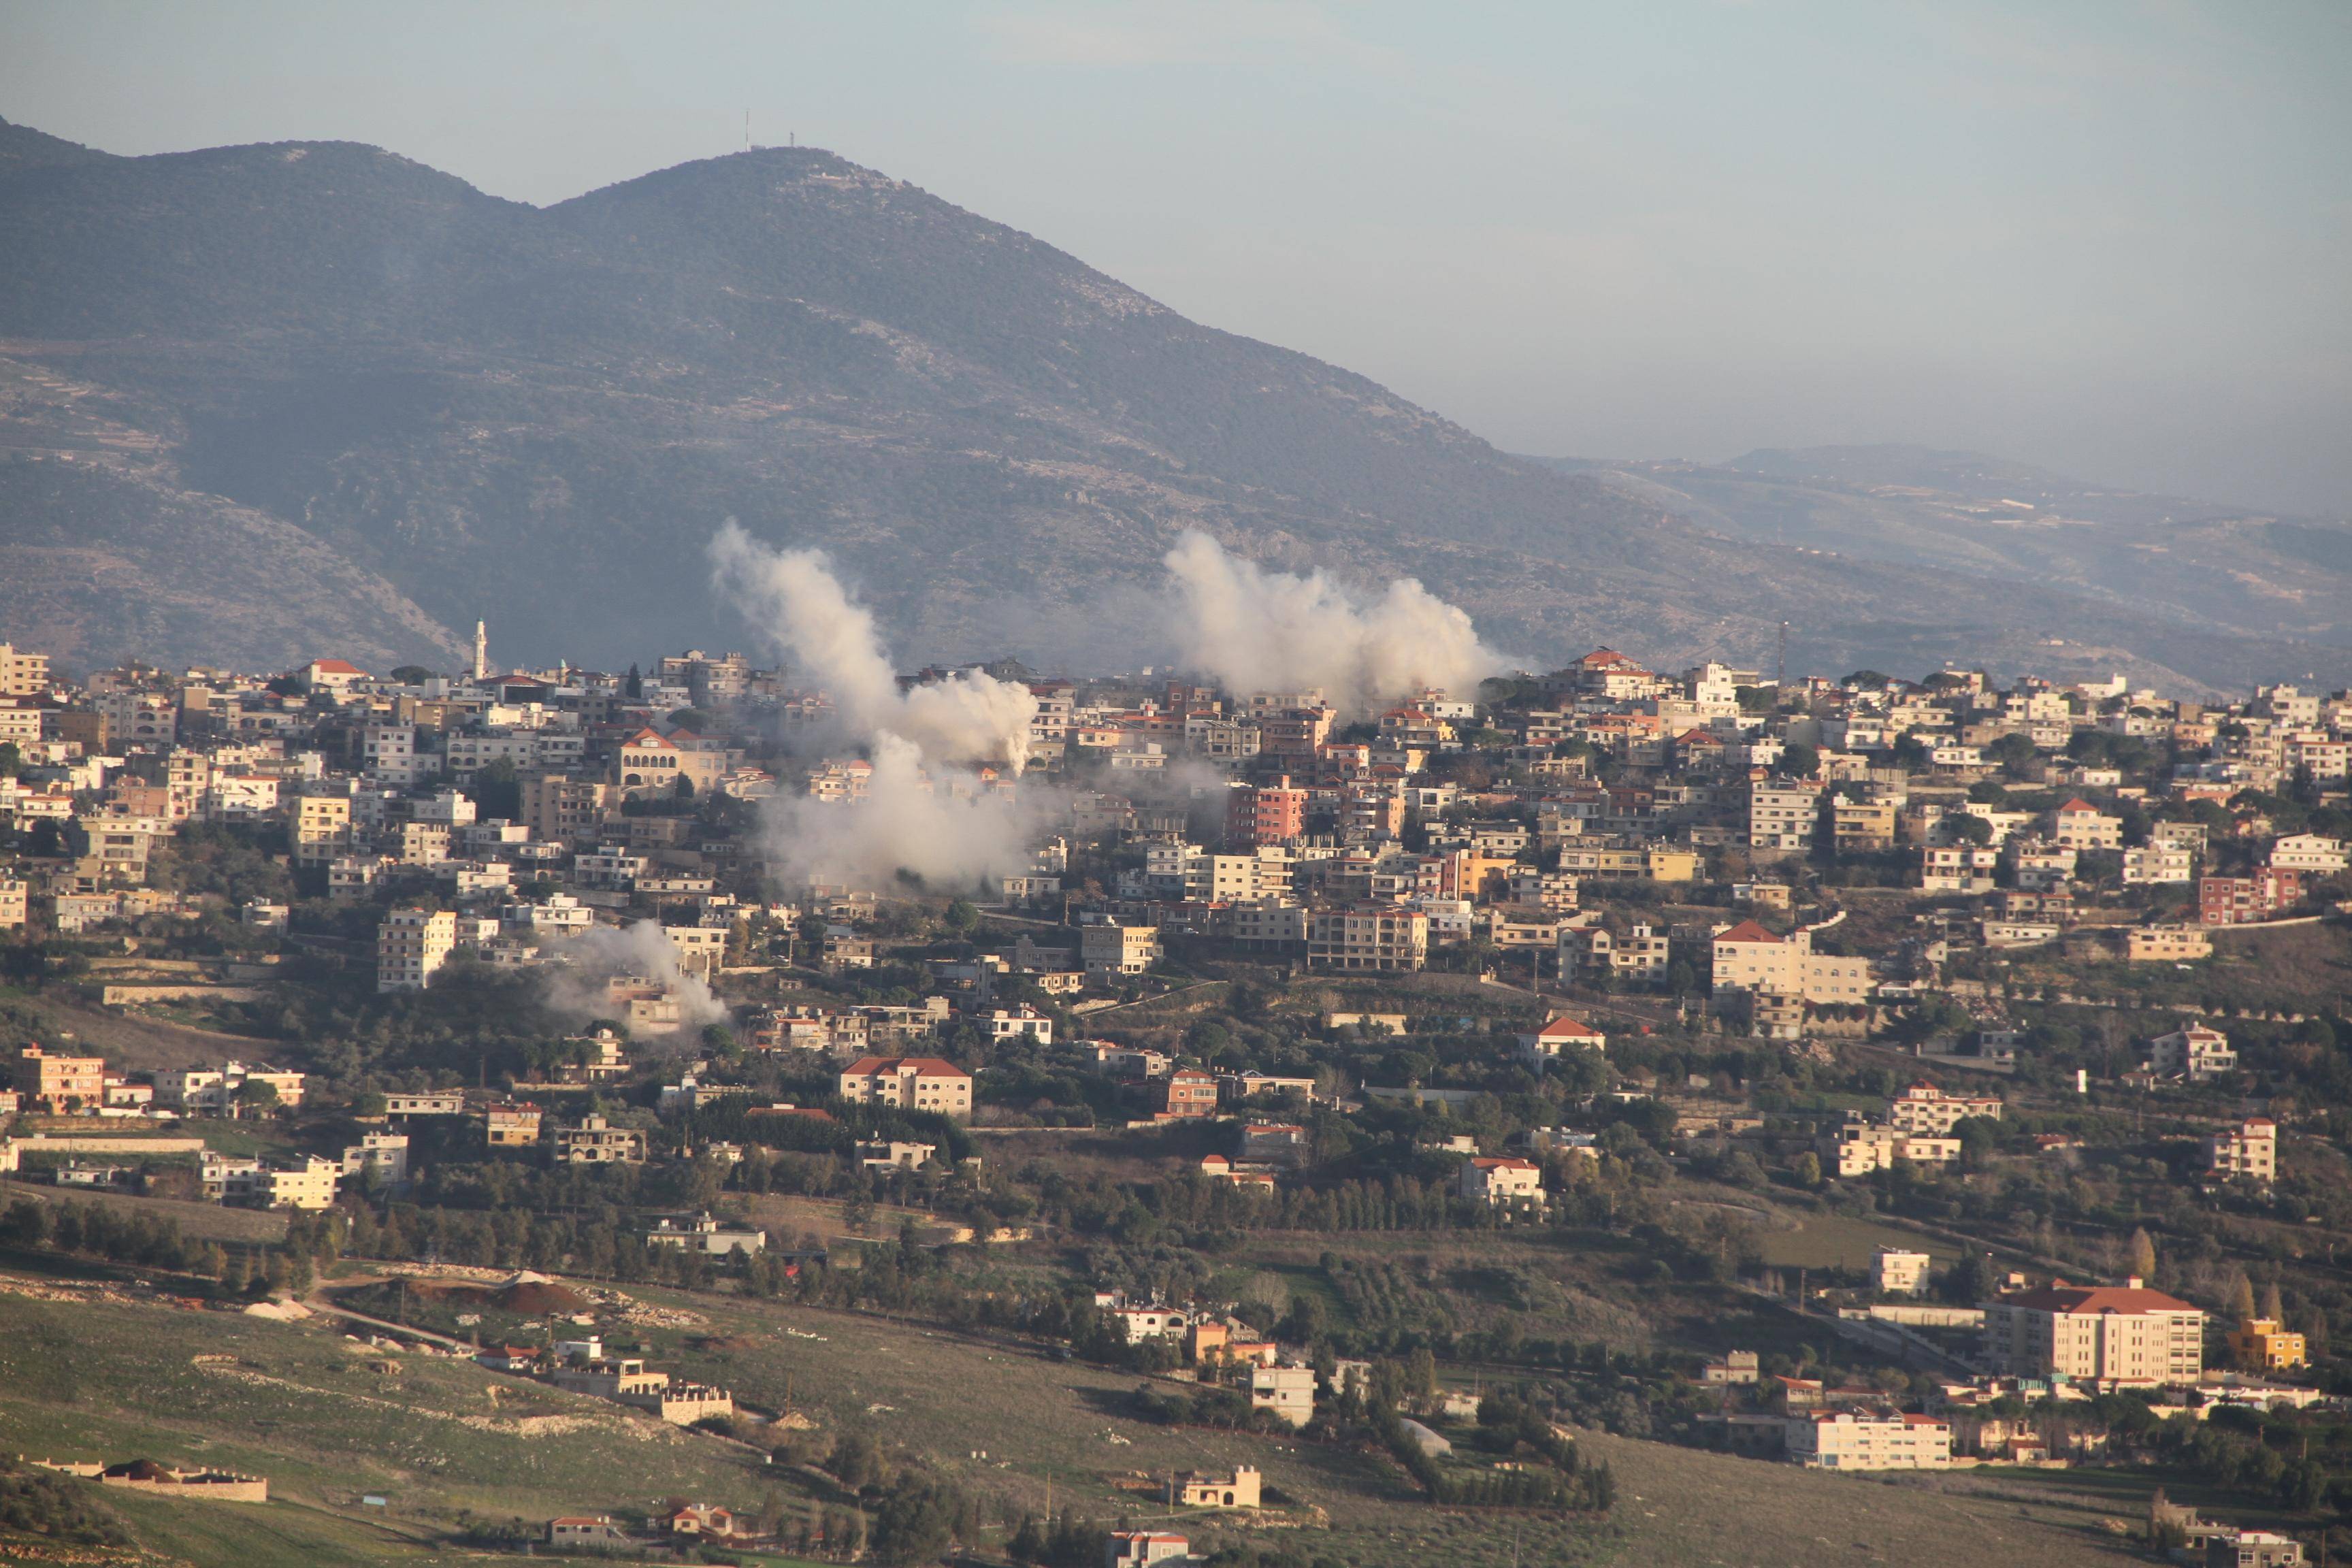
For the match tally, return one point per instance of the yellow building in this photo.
(2259, 1343)
(1196, 1489)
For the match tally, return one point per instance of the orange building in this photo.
(1265, 813)
(60, 1084)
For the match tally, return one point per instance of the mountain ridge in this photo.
(536, 416)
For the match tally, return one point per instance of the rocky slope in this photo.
(475, 408)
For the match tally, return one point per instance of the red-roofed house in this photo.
(2248, 1154)
(1698, 748)
(712, 1523)
(910, 1083)
(1605, 672)
(1750, 958)
(646, 763)
(2103, 1334)
(331, 674)
(1560, 1035)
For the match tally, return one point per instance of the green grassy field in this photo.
(327, 1423)
(204, 1221)
(1839, 1241)
(954, 1397)
(307, 1409)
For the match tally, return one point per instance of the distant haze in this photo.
(2109, 238)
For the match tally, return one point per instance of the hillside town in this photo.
(1981, 965)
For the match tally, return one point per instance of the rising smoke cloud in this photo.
(800, 606)
(927, 811)
(582, 964)
(1256, 630)
(940, 825)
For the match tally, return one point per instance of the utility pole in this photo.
(1780, 674)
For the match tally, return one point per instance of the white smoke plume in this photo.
(582, 964)
(805, 614)
(1255, 630)
(940, 825)
(927, 811)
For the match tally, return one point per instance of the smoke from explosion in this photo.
(1256, 630)
(584, 963)
(939, 825)
(801, 608)
(925, 811)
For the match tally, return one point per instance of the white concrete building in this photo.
(411, 946)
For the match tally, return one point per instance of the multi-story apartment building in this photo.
(23, 674)
(1747, 957)
(1265, 813)
(561, 810)
(1855, 1440)
(58, 1084)
(321, 828)
(1861, 826)
(595, 1141)
(1288, 1391)
(1924, 1108)
(2263, 1344)
(2166, 943)
(1783, 816)
(2101, 1333)
(1374, 938)
(511, 1126)
(389, 752)
(2270, 891)
(1501, 1180)
(2247, 1152)
(1858, 1148)
(2079, 825)
(1107, 951)
(1958, 868)
(910, 1083)
(1186, 1093)
(139, 718)
(307, 1183)
(2159, 865)
(2194, 1053)
(411, 946)
(212, 1091)
(1230, 878)
(186, 775)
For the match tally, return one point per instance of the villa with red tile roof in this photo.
(1560, 1035)
(1747, 957)
(331, 674)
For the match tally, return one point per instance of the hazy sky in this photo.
(2116, 238)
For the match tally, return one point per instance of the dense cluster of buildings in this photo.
(1360, 848)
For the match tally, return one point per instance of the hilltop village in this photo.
(1862, 1074)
